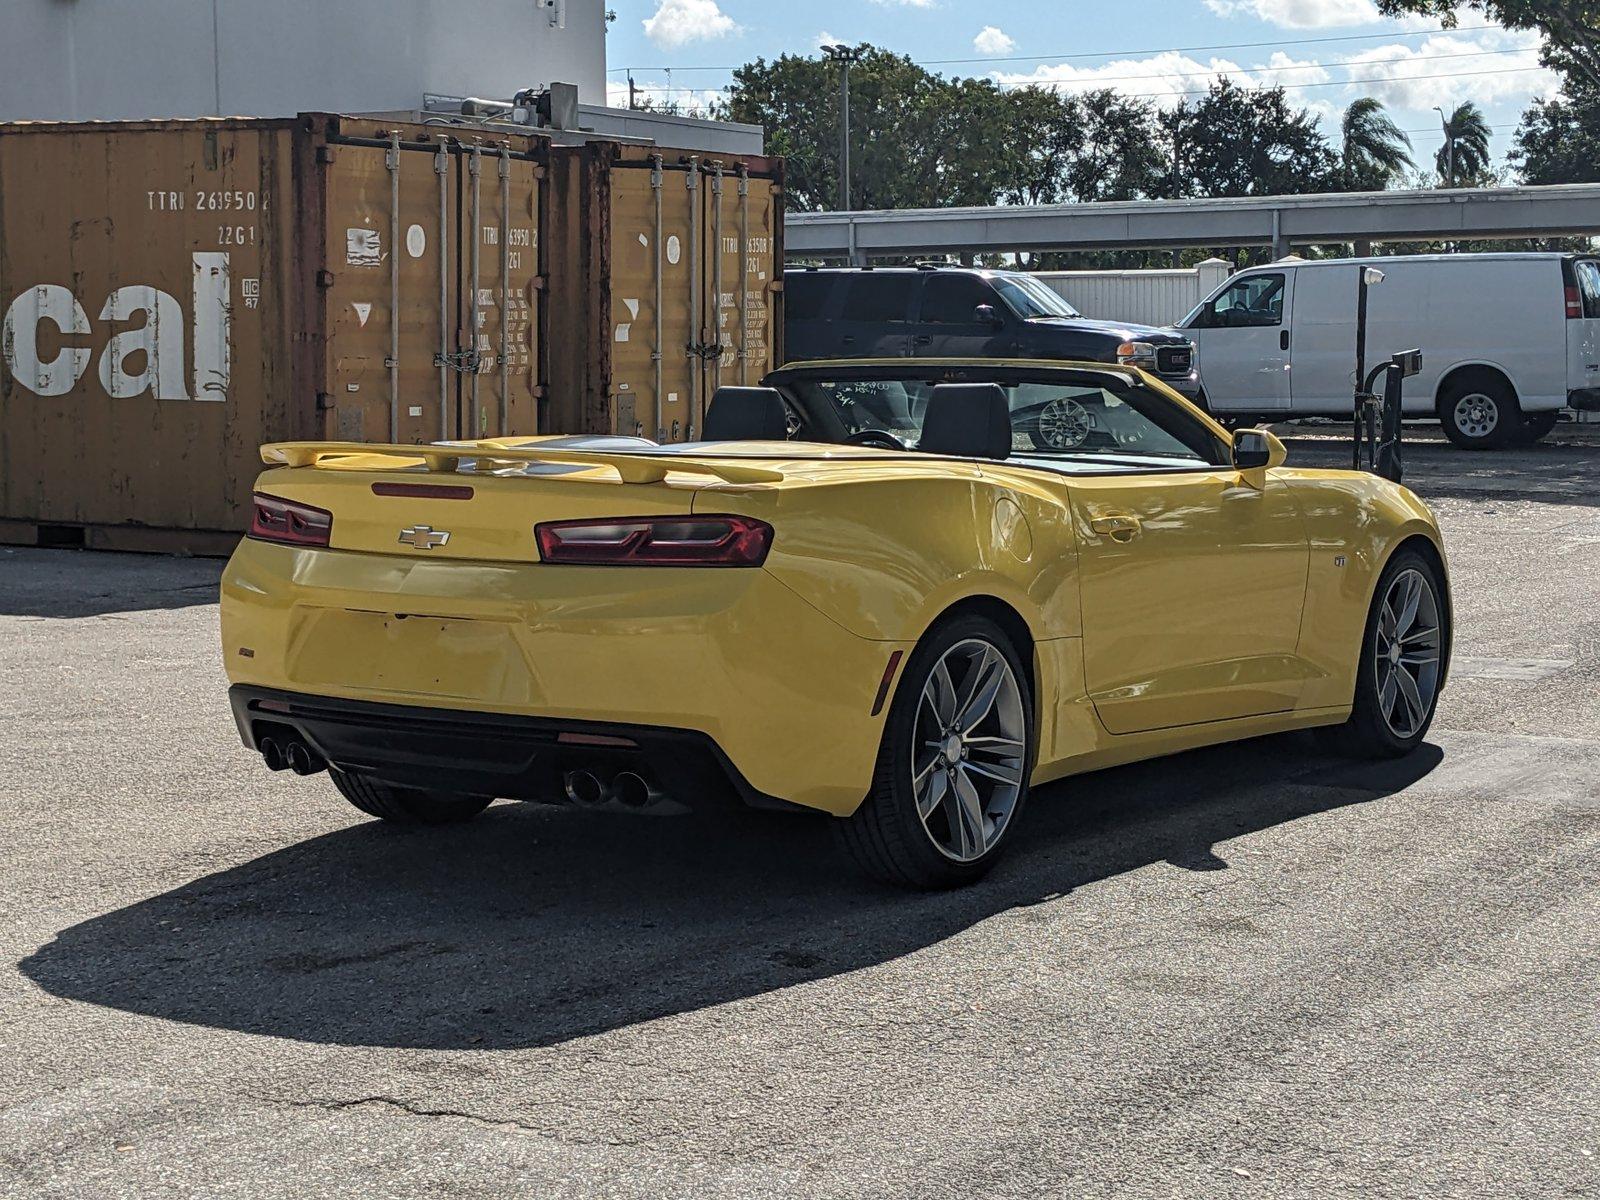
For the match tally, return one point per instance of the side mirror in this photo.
(1258, 450)
(985, 314)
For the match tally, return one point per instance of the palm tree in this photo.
(1465, 153)
(1376, 150)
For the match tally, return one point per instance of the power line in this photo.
(1309, 66)
(1097, 81)
(940, 62)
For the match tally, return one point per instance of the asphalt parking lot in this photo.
(1251, 971)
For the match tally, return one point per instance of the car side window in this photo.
(878, 298)
(1250, 302)
(1589, 285)
(951, 299)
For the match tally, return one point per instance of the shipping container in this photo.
(176, 293)
(677, 257)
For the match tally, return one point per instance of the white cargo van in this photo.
(1507, 340)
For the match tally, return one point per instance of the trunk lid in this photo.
(480, 501)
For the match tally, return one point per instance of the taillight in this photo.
(1574, 304)
(293, 524)
(711, 541)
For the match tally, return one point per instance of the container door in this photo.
(655, 296)
(500, 281)
(390, 237)
(741, 216)
(432, 300)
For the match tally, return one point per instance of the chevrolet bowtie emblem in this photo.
(424, 537)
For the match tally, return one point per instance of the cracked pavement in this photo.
(1248, 971)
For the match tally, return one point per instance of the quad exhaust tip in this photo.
(584, 789)
(295, 756)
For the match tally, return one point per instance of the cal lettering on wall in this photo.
(146, 357)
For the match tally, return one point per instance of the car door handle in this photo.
(1119, 527)
(922, 339)
(1283, 339)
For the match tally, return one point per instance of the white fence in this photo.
(1139, 297)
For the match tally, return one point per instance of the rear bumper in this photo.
(1584, 399)
(490, 754)
(733, 656)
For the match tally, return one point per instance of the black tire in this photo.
(1536, 425)
(1368, 733)
(1479, 411)
(407, 806)
(885, 836)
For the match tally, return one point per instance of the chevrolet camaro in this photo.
(901, 594)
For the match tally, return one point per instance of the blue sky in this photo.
(1326, 51)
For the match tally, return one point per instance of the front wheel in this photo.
(1402, 662)
(953, 768)
(1481, 414)
(405, 805)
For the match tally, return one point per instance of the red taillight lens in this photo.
(293, 524)
(1574, 304)
(712, 541)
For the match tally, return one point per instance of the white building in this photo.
(81, 60)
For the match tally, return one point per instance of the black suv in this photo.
(958, 312)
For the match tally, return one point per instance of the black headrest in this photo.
(742, 414)
(969, 419)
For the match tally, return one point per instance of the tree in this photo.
(1375, 151)
(1464, 156)
(1250, 142)
(1057, 147)
(1558, 140)
(917, 140)
(1571, 28)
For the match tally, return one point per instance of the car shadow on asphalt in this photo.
(1550, 472)
(99, 583)
(536, 925)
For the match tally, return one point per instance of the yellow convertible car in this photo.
(898, 593)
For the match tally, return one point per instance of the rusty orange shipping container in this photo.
(668, 265)
(175, 293)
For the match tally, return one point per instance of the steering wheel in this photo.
(1064, 424)
(877, 439)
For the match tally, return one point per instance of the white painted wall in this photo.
(80, 60)
(1140, 297)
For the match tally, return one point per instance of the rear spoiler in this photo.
(630, 468)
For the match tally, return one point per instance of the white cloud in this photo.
(1169, 77)
(991, 40)
(906, 3)
(678, 22)
(826, 39)
(1300, 14)
(1406, 76)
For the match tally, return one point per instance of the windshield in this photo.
(1117, 422)
(1029, 298)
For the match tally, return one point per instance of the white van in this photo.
(1507, 340)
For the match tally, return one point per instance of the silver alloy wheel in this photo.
(1064, 424)
(1476, 414)
(969, 750)
(1406, 653)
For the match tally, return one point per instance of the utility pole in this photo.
(1449, 149)
(631, 104)
(845, 56)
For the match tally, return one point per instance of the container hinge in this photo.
(324, 401)
(539, 282)
(325, 154)
(324, 278)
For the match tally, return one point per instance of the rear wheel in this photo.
(407, 806)
(1536, 425)
(953, 769)
(1480, 413)
(1402, 663)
